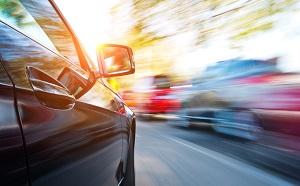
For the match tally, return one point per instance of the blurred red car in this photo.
(128, 97)
(153, 95)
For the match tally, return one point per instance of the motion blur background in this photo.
(178, 42)
(182, 37)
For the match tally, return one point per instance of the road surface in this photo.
(170, 155)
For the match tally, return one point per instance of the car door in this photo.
(12, 151)
(76, 145)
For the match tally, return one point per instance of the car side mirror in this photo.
(114, 60)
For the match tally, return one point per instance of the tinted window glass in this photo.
(266, 66)
(238, 67)
(216, 70)
(39, 20)
(213, 72)
(162, 82)
(18, 52)
(15, 13)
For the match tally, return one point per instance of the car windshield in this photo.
(212, 72)
(40, 21)
(235, 68)
(216, 70)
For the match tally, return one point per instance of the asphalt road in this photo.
(170, 155)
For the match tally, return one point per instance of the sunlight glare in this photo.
(90, 21)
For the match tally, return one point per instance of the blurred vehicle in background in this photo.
(128, 97)
(250, 99)
(152, 95)
(212, 88)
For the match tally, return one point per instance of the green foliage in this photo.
(13, 9)
(207, 18)
(255, 29)
(138, 39)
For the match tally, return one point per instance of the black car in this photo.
(60, 122)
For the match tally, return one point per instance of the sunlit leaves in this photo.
(237, 19)
(13, 9)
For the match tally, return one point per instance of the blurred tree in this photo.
(195, 23)
(139, 39)
(154, 20)
(13, 9)
(135, 34)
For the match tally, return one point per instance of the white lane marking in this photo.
(231, 162)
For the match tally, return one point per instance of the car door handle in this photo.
(48, 91)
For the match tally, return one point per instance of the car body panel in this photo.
(12, 153)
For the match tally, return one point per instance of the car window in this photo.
(162, 82)
(213, 72)
(16, 14)
(265, 67)
(240, 66)
(40, 21)
(18, 52)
